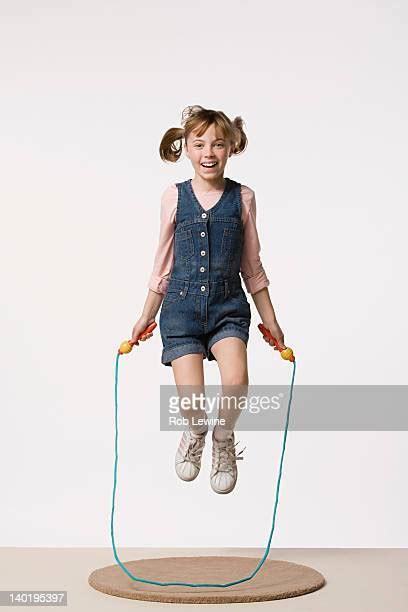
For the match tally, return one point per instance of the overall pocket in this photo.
(175, 294)
(170, 298)
(184, 244)
(230, 244)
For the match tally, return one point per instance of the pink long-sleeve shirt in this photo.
(251, 268)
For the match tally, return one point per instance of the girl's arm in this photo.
(151, 306)
(164, 258)
(163, 263)
(266, 312)
(252, 271)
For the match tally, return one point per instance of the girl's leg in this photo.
(188, 374)
(231, 355)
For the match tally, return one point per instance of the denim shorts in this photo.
(191, 322)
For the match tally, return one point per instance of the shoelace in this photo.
(225, 455)
(194, 451)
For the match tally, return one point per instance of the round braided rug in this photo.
(275, 579)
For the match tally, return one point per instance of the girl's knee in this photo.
(235, 378)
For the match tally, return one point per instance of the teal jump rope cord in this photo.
(192, 584)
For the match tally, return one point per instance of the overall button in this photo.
(181, 293)
(202, 269)
(204, 215)
(202, 288)
(202, 253)
(202, 234)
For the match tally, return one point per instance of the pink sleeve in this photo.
(252, 270)
(163, 261)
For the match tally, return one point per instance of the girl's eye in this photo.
(220, 144)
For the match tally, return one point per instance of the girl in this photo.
(207, 238)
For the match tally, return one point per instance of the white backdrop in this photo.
(87, 91)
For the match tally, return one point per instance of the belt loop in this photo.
(225, 288)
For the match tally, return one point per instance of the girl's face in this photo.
(210, 147)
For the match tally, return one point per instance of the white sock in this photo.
(221, 434)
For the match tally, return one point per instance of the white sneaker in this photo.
(188, 456)
(224, 471)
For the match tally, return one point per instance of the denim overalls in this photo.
(205, 300)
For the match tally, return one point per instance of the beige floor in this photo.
(358, 580)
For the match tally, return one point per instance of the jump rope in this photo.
(126, 347)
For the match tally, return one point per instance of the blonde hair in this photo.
(196, 118)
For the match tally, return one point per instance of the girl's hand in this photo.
(139, 326)
(276, 332)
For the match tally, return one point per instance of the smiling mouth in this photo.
(210, 165)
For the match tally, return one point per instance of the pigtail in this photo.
(242, 140)
(171, 145)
